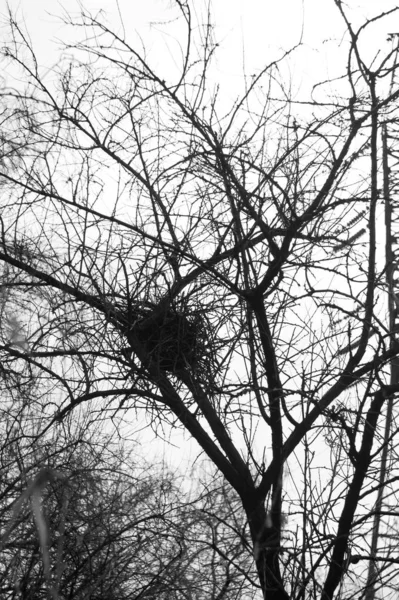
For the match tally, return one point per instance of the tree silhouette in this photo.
(216, 269)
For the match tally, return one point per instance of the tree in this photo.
(214, 269)
(83, 519)
(84, 516)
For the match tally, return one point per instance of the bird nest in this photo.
(175, 338)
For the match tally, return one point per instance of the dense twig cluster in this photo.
(175, 337)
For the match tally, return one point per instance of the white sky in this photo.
(255, 29)
(260, 28)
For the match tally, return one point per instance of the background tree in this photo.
(214, 268)
(82, 519)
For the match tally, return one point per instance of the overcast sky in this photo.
(258, 29)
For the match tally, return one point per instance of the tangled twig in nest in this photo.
(175, 338)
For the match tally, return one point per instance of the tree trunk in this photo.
(266, 539)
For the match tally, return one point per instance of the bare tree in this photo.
(82, 518)
(215, 269)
